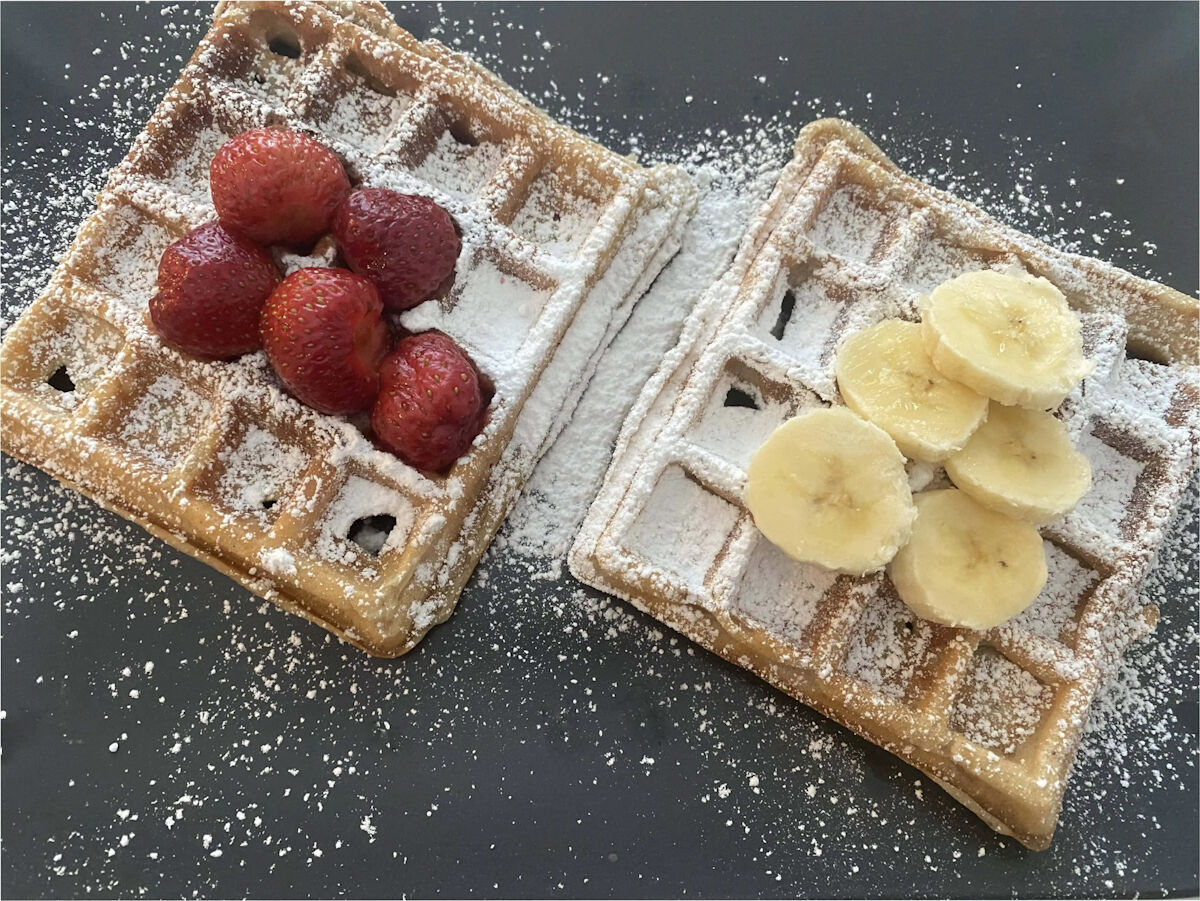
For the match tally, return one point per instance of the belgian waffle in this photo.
(846, 240)
(560, 236)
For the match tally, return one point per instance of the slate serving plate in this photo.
(545, 742)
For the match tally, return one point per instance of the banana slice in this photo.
(885, 376)
(967, 565)
(829, 488)
(1022, 462)
(1012, 338)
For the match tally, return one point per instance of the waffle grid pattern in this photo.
(214, 457)
(846, 241)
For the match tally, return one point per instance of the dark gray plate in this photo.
(546, 741)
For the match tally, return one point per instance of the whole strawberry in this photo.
(211, 289)
(406, 244)
(324, 334)
(431, 404)
(276, 186)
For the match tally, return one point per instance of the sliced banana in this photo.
(1022, 462)
(885, 375)
(1009, 337)
(829, 488)
(966, 565)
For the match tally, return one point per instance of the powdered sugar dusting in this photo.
(248, 743)
(360, 499)
(258, 471)
(686, 522)
(164, 421)
(458, 168)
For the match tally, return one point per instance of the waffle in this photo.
(560, 236)
(845, 240)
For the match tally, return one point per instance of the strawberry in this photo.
(431, 404)
(211, 289)
(406, 244)
(324, 334)
(276, 186)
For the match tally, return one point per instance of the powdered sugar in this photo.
(1114, 478)
(257, 471)
(847, 226)
(364, 116)
(491, 312)
(685, 522)
(555, 671)
(164, 421)
(358, 500)
(460, 169)
(544, 219)
(545, 519)
(780, 594)
(1067, 582)
(999, 704)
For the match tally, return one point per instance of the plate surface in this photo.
(546, 741)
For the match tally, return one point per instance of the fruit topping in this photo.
(431, 403)
(884, 375)
(967, 565)
(1011, 338)
(406, 244)
(211, 289)
(1022, 462)
(324, 334)
(829, 488)
(276, 186)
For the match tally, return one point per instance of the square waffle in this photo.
(560, 236)
(846, 240)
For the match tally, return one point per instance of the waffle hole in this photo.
(285, 45)
(268, 503)
(462, 136)
(786, 308)
(61, 380)
(371, 532)
(736, 397)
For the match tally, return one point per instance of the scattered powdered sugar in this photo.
(279, 561)
(779, 593)
(545, 519)
(999, 704)
(1114, 478)
(458, 168)
(1067, 581)
(258, 470)
(131, 276)
(847, 226)
(685, 523)
(164, 421)
(358, 500)
(249, 740)
(546, 220)
(490, 313)
(807, 335)
(886, 645)
(366, 117)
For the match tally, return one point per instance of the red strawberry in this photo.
(211, 289)
(406, 244)
(276, 187)
(431, 404)
(324, 333)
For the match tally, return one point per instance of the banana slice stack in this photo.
(969, 388)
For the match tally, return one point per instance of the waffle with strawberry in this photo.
(437, 242)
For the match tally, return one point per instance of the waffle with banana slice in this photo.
(845, 241)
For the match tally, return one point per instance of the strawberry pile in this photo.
(325, 330)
